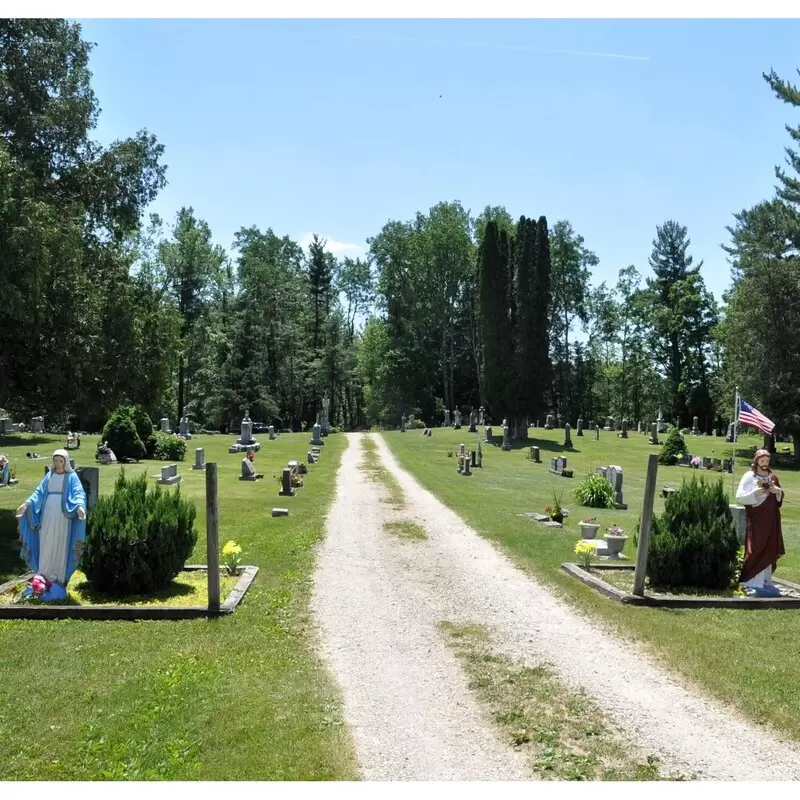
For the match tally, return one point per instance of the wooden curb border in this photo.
(132, 613)
(667, 601)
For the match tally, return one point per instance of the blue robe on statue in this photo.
(30, 523)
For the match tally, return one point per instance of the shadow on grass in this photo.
(11, 563)
(29, 442)
(87, 595)
(780, 460)
(544, 445)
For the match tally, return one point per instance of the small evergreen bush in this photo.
(595, 491)
(137, 540)
(674, 446)
(169, 447)
(417, 424)
(694, 541)
(120, 433)
(144, 427)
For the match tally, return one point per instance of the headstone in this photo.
(727, 465)
(609, 424)
(6, 425)
(639, 427)
(489, 438)
(248, 471)
(740, 521)
(165, 425)
(706, 462)
(536, 455)
(90, 480)
(474, 455)
(473, 421)
(169, 475)
(506, 439)
(287, 490)
(280, 512)
(466, 460)
(554, 465)
(548, 423)
(481, 415)
(731, 432)
(558, 465)
(654, 434)
(624, 432)
(37, 424)
(246, 429)
(199, 458)
(479, 457)
(316, 435)
(183, 426)
(580, 427)
(716, 464)
(403, 423)
(324, 422)
(447, 418)
(271, 433)
(567, 436)
(695, 429)
(457, 419)
(311, 458)
(614, 476)
(597, 433)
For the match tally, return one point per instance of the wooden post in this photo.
(645, 525)
(212, 536)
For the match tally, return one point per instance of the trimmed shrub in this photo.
(673, 447)
(137, 540)
(120, 433)
(694, 541)
(144, 427)
(595, 491)
(417, 424)
(169, 447)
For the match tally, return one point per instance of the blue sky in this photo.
(336, 126)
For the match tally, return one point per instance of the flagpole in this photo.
(735, 433)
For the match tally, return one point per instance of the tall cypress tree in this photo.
(493, 317)
(539, 340)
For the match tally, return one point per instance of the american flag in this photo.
(748, 415)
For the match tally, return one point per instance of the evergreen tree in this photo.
(539, 346)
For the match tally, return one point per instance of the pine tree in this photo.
(542, 369)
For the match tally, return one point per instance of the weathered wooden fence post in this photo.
(645, 525)
(212, 537)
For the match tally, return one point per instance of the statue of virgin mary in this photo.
(52, 526)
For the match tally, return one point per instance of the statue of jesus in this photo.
(761, 493)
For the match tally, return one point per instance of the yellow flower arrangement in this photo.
(585, 553)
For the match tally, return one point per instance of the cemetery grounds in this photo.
(244, 697)
(746, 658)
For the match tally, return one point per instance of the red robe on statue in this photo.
(763, 544)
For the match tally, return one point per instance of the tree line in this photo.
(103, 305)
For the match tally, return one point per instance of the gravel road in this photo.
(377, 603)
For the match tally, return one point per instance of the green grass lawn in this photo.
(239, 698)
(748, 658)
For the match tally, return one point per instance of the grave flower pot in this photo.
(557, 517)
(615, 544)
(589, 530)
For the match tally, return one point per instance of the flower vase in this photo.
(615, 544)
(589, 530)
(557, 517)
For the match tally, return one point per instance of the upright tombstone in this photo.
(403, 419)
(6, 425)
(245, 443)
(639, 427)
(536, 455)
(479, 457)
(37, 424)
(165, 425)
(456, 419)
(567, 436)
(316, 435)
(481, 416)
(169, 476)
(287, 490)
(473, 421)
(695, 429)
(466, 460)
(506, 439)
(325, 425)
(614, 476)
(248, 471)
(447, 418)
(624, 432)
(183, 426)
(549, 422)
(90, 480)
(580, 427)
(729, 436)
(609, 424)
(271, 433)
(199, 458)
(596, 432)
(654, 434)
(488, 435)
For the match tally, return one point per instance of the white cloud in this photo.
(332, 245)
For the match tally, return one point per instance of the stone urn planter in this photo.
(557, 518)
(589, 529)
(615, 544)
